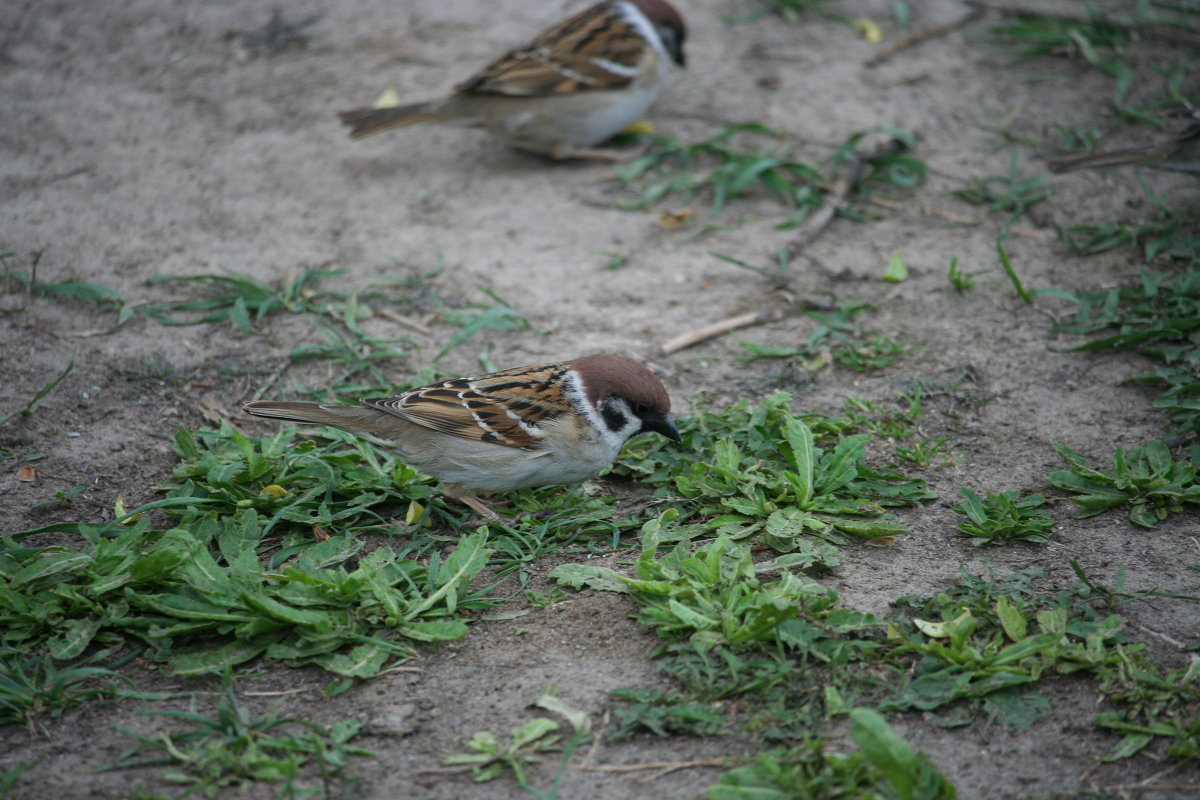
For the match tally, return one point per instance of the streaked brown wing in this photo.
(503, 407)
(568, 58)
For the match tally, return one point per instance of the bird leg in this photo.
(455, 492)
(564, 152)
(604, 155)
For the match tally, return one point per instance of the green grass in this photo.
(884, 765)
(33, 685)
(839, 336)
(1003, 517)
(230, 749)
(712, 597)
(1152, 704)
(85, 291)
(982, 645)
(1100, 41)
(762, 471)
(925, 452)
(32, 405)
(200, 596)
(795, 660)
(492, 756)
(1159, 317)
(664, 712)
(1168, 236)
(1147, 479)
(722, 169)
(239, 300)
(734, 629)
(1011, 194)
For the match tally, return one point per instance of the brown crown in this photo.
(605, 375)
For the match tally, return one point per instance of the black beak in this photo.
(664, 425)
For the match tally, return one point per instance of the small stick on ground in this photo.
(407, 322)
(836, 200)
(718, 328)
(597, 739)
(1171, 640)
(914, 39)
(443, 770)
(1148, 783)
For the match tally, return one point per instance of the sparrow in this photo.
(1178, 150)
(576, 85)
(513, 429)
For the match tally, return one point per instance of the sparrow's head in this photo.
(668, 23)
(629, 398)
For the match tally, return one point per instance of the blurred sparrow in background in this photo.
(517, 428)
(575, 86)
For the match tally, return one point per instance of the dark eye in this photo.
(641, 409)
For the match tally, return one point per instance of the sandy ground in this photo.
(142, 138)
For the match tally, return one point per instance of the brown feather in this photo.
(563, 60)
(475, 408)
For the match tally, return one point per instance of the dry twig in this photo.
(718, 328)
(851, 171)
(1171, 640)
(923, 36)
(407, 322)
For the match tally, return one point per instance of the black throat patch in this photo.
(613, 418)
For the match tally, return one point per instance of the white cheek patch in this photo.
(632, 425)
(578, 400)
(645, 28)
(614, 439)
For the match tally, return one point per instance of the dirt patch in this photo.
(146, 139)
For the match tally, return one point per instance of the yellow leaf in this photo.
(641, 126)
(119, 511)
(935, 629)
(414, 514)
(675, 219)
(818, 361)
(389, 99)
(274, 491)
(870, 31)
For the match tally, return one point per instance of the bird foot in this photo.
(602, 155)
(475, 504)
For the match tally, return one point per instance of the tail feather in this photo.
(351, 418)
(365, 122)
